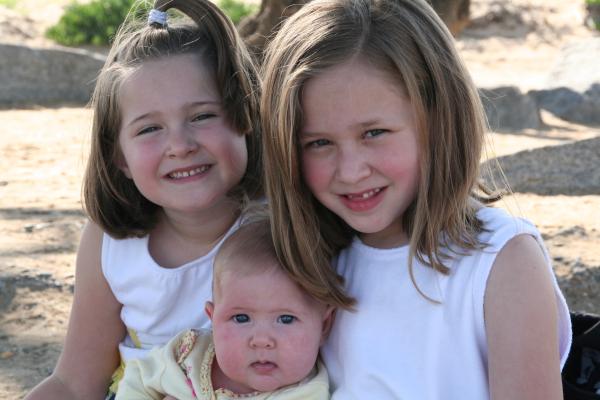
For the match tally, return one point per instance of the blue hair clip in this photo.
(157, 17)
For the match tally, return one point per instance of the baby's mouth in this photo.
(263, 366)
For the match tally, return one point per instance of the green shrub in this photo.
(8, 3)
(237, 9)
(92, 23)
(96, 22)
(592, 1)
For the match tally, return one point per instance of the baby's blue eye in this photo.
(241, 318)
(286, 319)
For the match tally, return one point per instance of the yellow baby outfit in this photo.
(182, 369)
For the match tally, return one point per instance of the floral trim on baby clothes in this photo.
(206, 372)
(184, 345)
(232, 395)
(183, 348)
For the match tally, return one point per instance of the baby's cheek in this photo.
(229, 348)
(301, 360)
(226, 341)
(305, 348)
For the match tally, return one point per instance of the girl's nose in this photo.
(352, 165)
(181, 143)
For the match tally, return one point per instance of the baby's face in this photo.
(267, 332)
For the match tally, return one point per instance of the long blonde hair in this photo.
(408, 40)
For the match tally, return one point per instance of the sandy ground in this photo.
(43, 151)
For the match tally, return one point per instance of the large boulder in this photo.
(577, 66)
(46, 76)
(570, 105)
(573, 86)
(508, 109)
(569, 169)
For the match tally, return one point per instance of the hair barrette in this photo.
(157, 17)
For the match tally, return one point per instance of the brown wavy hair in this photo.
(406, 39)
(111, 199)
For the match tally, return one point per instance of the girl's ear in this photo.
(328, 319)
(209, 308)
(122, 164)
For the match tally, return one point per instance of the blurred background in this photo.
(534, 61)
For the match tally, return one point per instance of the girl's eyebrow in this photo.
(203, 103)
(188, 105)
(359, 125)
(368, 124)
(141, 117)
(306, 134)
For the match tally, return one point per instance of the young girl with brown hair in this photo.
(174, 157)
(373, 132)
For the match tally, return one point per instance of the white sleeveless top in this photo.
(158, 302)
(399, 345)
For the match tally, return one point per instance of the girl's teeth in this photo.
(365, 195)
(185, 174)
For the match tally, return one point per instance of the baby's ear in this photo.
(209, 307)
(328, 319)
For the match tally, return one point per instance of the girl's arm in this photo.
(521, 325)
(90, 354)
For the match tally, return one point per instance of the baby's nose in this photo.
(262, 339)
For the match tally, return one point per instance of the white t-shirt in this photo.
(399, 345)
(158, 302)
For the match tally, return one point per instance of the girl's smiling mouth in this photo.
(363, 201)
(186, 173)
(364, 195)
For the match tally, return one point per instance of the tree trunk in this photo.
(454, 13)
(257, 28)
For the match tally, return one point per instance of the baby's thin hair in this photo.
(111, 199)
(408, 41)
(250, 250)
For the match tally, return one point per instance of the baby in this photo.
(266, 333)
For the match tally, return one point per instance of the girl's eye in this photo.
(286, 319)
(202, 117)
(148, 129)
(241, 318)
(374, 132)
(317, 143)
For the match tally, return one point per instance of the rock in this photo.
(570, 105)
(507, 109)
(577, 66)
(7, 293)
(570, 169)
(501, 19)
(32, 76)
(573, 86)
